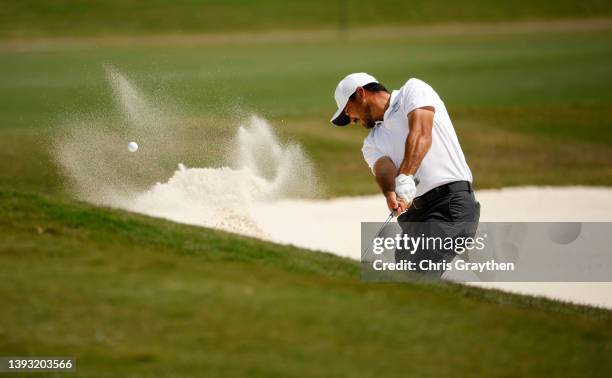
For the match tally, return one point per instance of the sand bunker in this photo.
(255, 192)
(334, 226)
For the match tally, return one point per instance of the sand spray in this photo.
(255, 167)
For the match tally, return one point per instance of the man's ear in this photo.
(361, 93)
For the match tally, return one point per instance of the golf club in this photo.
(391, 215)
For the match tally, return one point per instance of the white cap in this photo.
(345, 89)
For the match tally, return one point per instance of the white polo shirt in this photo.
(443, 163)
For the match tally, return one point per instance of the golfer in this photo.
(415, 156)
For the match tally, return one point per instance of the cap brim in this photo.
(340, 118)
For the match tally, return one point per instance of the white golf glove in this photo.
(405, 187)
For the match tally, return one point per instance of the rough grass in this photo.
(135, 296)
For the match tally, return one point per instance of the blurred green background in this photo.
(528, 85)
(78, 17)
(530, 99)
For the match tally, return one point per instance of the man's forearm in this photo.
(417, 146)
(385, 172)
(418, 141)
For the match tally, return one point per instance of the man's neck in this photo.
(382, 100)
(387, 102)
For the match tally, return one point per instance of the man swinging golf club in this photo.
(411, 138)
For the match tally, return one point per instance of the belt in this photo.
(439, 192)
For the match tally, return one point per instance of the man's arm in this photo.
(418, 143)
(385, 172)
(419, 139)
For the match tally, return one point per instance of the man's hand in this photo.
(397, 205)
(405, 187)
(385, 172)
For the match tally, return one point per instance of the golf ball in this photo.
(132, 146)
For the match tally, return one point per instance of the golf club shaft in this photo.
(378, 233)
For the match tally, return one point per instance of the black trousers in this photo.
(450, 215)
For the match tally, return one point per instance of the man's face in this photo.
(359, 110)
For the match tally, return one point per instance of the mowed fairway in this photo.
(531, 102)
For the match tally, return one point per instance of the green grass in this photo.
(43, 18)
(530, 107)
(134, 296)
